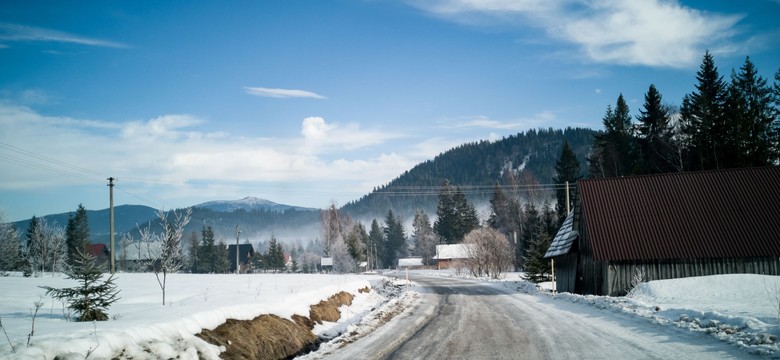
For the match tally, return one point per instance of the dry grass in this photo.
(272, 337)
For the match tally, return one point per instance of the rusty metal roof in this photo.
(731, 213)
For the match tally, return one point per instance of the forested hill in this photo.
(530, 155)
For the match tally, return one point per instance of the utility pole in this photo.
(111, 226)
(238, 264)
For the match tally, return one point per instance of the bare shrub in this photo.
(489, 252)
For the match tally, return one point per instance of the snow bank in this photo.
(141, 323)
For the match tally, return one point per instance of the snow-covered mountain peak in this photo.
(248, 203)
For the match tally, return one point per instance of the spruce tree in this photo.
(447, 217)
(532, 227)
(275, 255)
(376, 241)
(207, 252)
(77, 234)
(567, 169)
(537, 268)
(93, 297)
(654, 152)
(702, 118)
(750, 115)
(395, 240)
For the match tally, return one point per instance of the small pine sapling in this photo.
(92, 298)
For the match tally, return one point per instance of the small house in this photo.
(664, 226)
(245, 254)
(451, 256)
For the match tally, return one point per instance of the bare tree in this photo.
(164, 249)
(489, 252)
(331, 227)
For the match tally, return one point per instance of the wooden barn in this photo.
(245, 254)
(668, 226)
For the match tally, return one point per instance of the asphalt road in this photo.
(461, 319)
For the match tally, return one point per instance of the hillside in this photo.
(474, 166)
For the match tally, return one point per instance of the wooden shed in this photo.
(668, 226)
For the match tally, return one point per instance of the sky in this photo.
(312, 102)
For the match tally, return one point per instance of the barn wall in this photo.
(566, 273)
(620, 274)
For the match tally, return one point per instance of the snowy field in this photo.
(139, 322)
(738, 309)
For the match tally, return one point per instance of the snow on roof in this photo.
(326, 261)
(452, 251)
(408, 262)
(562, 242)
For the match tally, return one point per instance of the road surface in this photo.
(461, 319)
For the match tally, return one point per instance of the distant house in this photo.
(245, 254)
(101, 254)
(668, 226)
(410, 263)
(451, 256)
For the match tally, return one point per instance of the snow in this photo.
(140, 322)
(741, 309)
(738, 309)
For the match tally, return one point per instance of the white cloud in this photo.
(169, 156)
(658, 33)
(281, 93)
(539, 119)
(22, 33)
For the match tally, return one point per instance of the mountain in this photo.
(247, 204)
(475, 167)
(126, 218)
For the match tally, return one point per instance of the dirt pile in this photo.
(272, 337)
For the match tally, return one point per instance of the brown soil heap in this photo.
(272, 337)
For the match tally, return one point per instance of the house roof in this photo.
(563, 240)
(710, 214)
(409, 262)
(244, 252)
(97, 250)
(452, 251)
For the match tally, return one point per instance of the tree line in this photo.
(719, 125)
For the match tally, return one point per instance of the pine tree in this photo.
(567, 169)
(467, 218)
(93, 297)
(221, 258)
(275, 255)
(35, 252)
(654, 152)
(395, 240)
(537, 268)
(531, 229)
(749, 114)
(447, 217)
(376, 241)
(424, 239)
(77, 233)
(207, 252)
(193, 250)
(702, 118)
(9, 246)
(612, 148)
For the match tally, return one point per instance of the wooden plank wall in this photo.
(620, 274)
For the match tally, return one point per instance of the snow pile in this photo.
(141, 324)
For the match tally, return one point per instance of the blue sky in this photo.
(308, 102)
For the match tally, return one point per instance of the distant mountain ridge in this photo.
(248, 204)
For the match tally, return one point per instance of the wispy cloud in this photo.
(658, 33)
(543, 118)
(23, 33)
(281, 93)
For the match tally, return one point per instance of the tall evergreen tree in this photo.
(467, 218)
(77, 233)
(425, 240)
(376, 242)
(447, 217)
(749, 114)
(612, 148)
(537, 269)
(36, 246)
(221, 258)
(654, 151)
(207, 252)
(395, 240)
(702, 118)
(567, 169)
(275, 255)
(532, 227)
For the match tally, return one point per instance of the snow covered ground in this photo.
(140, 322)
(739, 309)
